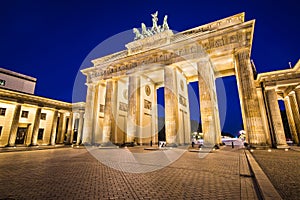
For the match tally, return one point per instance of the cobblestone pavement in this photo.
(282, 168)
(75, 174)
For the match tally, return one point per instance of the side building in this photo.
(27, 119)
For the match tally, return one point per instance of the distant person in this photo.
(193, 142)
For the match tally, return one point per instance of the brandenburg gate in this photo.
(121, 100)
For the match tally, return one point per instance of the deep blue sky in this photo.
(49, 40)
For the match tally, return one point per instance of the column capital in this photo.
(242, 50)
(291, 94)
(297, 89)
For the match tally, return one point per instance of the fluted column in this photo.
(291, 121)
(80, 126)
(89, 115)
(36, 126)
(107, 121)
(208, 104)
(70, 129)
(297, 93)
(171, 105)
(278, 130)
(252, 118)
(14, 125)
(61, 129)
(263, 110)
(133, 108)
(155, 119)
(295, 111)
(54, 127)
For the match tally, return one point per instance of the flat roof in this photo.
(18, 75)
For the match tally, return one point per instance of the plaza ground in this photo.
(282, 168)
(68, 173)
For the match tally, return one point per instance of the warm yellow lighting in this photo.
(286, 149)
(251, 150)
(269, 150)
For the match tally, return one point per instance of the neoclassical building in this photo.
(27, 119)
(280, 85)
(121, 102)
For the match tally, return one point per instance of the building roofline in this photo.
(296, 68)
(18, 75)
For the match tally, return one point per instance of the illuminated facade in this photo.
(121, 98)
(27, 119)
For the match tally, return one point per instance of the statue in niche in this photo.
(137, 33)
(165, 25)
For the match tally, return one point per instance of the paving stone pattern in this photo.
(75, 174)
(283, 170)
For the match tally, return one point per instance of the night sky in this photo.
(53, 40)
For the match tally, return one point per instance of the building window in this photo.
(2, 111)
(0, 130)
(24, 114)
(40, 134)
(2, 82)
(43, 116)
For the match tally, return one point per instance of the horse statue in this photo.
(165, 25)
(155, 28)
(137, 33)
(145, 32)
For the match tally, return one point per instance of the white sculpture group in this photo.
(154, 30)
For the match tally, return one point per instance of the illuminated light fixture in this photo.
(77, 146)
(286, 149)
(269, 150)
(251, 150)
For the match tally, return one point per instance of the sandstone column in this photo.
(61, 129)
(252, 118)
(263, 107)
(70, 129)
(155, 119)
(133, 109)
(208, 104)
(278, 130)
(107, 121)
(36, 126)
(291, 121)
(171, 105)
(14, 126)
(80, 126)
(54, 127)
(295, 111)
(89, 115)
(297, 93)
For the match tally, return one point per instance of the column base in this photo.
(171, 145)
(251, 146)
(107, 144)
(282, 147)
